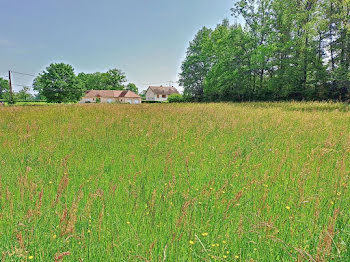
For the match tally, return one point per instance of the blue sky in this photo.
(145, 39)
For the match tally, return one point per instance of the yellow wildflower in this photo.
(224, 256)
(288, 207)
(54, 236)
(128, 222)
(204, 234)
(223, 241)
(237, 257)
(30, 257)
(227, 252)
(191, 242)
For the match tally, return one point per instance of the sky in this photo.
(145, 39)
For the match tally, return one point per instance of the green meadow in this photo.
(175, 182)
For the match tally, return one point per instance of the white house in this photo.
(160, 93)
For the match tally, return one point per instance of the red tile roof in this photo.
(111, 93)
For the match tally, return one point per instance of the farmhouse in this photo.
(160, 93)
(111, 96)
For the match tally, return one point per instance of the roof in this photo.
(164, 90)
(111, 94)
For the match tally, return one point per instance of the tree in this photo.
(287, 50)
(196, 65)
(59, 84)
(113, 79)
(4, 87)
(132, 87)
(24, 94)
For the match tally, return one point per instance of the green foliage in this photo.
(288, 50)
(4, 87)
(175, 98)
(113, 79)
(196, 65)
(132, 87)
(58, 84)
(24, 95)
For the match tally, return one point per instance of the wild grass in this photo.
(175, 182)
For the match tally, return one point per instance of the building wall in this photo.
(123, 100)
(127, 100)
(87, 99)
(108, 100)
(160, 98)
(150, 96)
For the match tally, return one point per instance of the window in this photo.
(164, 96)
(158, 96)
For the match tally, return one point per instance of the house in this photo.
(160, 93)
(111, 96)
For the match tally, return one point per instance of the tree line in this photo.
(21, 95)
(286, 50)
(59, 84)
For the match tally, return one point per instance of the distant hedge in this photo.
(176, 98)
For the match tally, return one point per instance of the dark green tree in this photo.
(113, 79)
(59, 84)
(4, 87)
(196, 65)
(287, 50)
(132, 87)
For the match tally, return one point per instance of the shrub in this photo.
(176, 98)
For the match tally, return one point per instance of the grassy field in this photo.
(175, 182)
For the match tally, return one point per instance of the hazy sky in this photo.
(145, 39)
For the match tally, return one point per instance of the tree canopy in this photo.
(287, 50)
(4, 87)
(113, 79)
(132, 87)
(59, 84)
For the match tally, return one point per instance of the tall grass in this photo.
(166, 182)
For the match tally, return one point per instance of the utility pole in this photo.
(11, 100)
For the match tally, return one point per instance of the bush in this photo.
(176, 98)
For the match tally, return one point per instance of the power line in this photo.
(22, 73)
(164, 82)
(22, 85)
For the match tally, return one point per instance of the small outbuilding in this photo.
(160, 93)
(111, 96)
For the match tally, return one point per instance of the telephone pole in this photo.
(11, 100)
